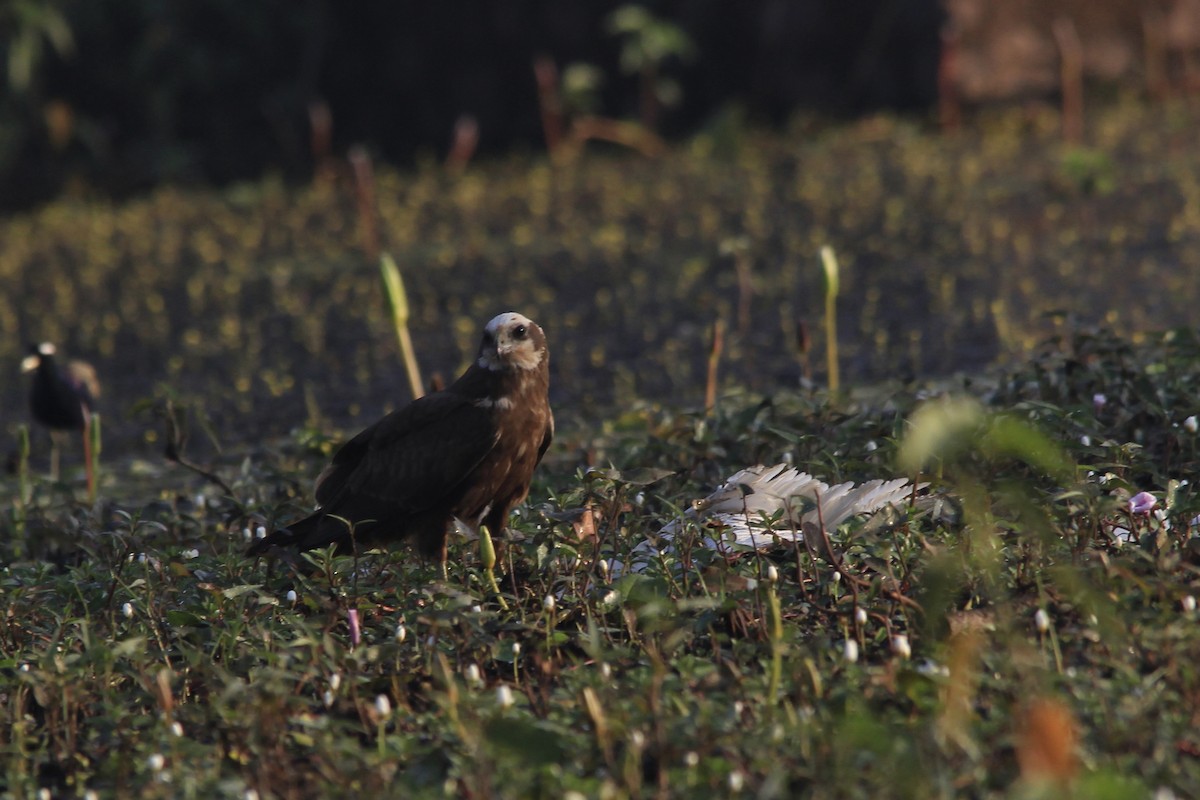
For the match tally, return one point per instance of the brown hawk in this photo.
(467, 452)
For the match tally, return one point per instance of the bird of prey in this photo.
(467, 452)
(62, 398)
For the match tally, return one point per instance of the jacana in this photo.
(62, 398)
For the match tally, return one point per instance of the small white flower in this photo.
(327, 698)
(850, 650)
(1099, 401)
(751, 584)
(604, 569)
(473, 675)
(260, 532)
(335, 681)
(504, 696)
(690, 759)
(610, 600)
(1041, 620)
(548, 603)
(860, 615)
(91, 794)
(772, 574)
(1190, 424)
(871, 446)
(837, 576)
(401, 632)
(1085, 440)
(1188, 603)
(516, 649)
(156, 762)
(291, 595)
(637, 739)
(24, 668)
(247, 534)
(737, 781)
(788, 457)
(176, 729)
(383, 706)
(605, 670)
(901, 647)
(571, 794)
(639, 499)
(190, 554)
(198, 501)
(44, 794)
(738, 708)
(250, 794)
(127, 610)
(477, 609)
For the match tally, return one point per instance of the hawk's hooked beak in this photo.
(30, 363)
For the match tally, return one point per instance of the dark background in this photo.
(209, 91)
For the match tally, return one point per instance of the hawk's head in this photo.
(512, 341)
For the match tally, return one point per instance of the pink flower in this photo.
(1142, 503)
(355, 632)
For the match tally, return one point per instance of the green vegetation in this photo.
(1027, 609)
(1027, 629)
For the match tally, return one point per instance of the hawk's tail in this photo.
(310, 533)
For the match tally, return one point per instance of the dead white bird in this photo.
(759, 507)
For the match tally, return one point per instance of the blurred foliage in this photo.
(649, 44)
(213, 91)
(953, 252)
(26, 27)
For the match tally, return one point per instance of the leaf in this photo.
(644, 476)
(180, 619)
(533, 743)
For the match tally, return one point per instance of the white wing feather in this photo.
(760, 506)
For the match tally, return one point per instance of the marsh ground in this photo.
(1024, 633)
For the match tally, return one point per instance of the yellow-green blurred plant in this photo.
(487, 557)
(21, 501)
(830, 265)
(93, 455)
(398, 298)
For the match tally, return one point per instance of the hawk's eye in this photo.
(519, 332)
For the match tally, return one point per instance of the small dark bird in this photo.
(467, 453)
(63, 399)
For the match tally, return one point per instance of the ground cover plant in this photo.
(1026, 627)
(1027, 633)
